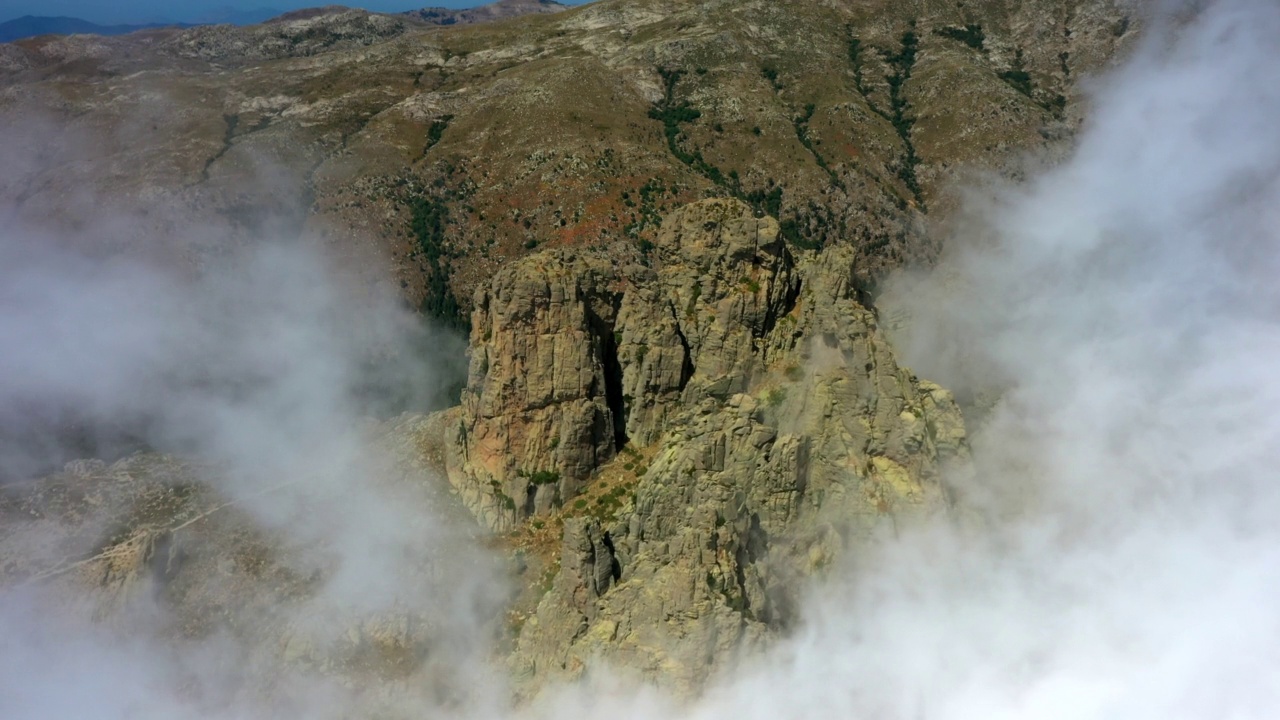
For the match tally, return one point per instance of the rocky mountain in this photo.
(661, 223)
(670, 448)
(455, 150)
(760, 418)
(500, 10)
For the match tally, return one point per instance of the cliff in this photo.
(750, 396)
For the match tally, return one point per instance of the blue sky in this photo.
(141, 11)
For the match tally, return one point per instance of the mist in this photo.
(267, 372)
(1111, 323)
(1115, 323)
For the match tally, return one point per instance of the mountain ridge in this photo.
(490, 12)
(845, 123)
(33, 25)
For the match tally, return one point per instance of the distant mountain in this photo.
(30, 26)
(499, 10)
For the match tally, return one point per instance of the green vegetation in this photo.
(1057, 105)
(770, 202)
(801, 123)
(428, 218)
(1019, 79)
(503, 499)
(670, 112)
(775, 397)
(607, 505)
(229, 133)
(770, 73)
(970, 35)
(673, 114)
(544, 477)
(693, 300)
(902, 63)
(650, 216)
(436, 131)
(549, 577)
(855, 59)
(1017, 76)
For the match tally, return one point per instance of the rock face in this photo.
(537, 416)
(297, 34)
(779, 427)
(726, 280)
(573, 358)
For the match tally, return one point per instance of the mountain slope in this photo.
(456, 149)
(500, 10)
